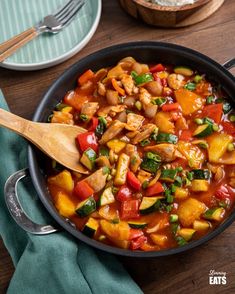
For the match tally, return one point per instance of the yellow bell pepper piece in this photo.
(63, 180)
(122, 169)
(116, 145)
(159, 239)
(119, 231)
(181, 193)
(200, 185)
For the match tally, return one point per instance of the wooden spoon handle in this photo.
(14, 122)
(12, 45)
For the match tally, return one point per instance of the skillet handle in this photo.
(229, 64)
(16, 210)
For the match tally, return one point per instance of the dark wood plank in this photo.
(183, 273)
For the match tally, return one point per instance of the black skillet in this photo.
(148, 52)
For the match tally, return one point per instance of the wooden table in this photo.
(183, 273)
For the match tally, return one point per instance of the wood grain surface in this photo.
(183, 273)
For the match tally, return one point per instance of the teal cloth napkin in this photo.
(55, 263)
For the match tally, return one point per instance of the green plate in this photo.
(47, 49)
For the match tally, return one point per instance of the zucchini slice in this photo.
(165, 138)
(88, 158)
(168, 175)
(86, 207)
(137, 225)
(90, 227)
(216, 214)
(201, 174)
(149, 165)
(106, 197)
(186, 233)
(203, 130)
(150, 204)
(183, 70)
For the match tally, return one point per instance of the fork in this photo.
(52, 23)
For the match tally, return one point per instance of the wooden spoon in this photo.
(56, 140)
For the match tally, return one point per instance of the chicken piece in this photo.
(132, 134)
(89, 109)
(101, 89)
(104, 111)
(165, 150)
(112, 97)
(97, 180)
(144, 96)
(147, 131)
(128, 83)
(134, 121)
(130, 149)
(114, 129)
(176, 81)
(150, 110)
(62, 118)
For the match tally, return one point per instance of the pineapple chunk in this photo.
(181, 193)
(63, 180)
(200, 185)
(64, 204)
(190, 210)
(193, 154)
(159, 239)
(218, 146)
(201, 225)
(163, 122)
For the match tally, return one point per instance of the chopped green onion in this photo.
(223, 204)
(230, 147)
(153, 156)
(83, 117)
(134, 74)
(115, 190)
(180, 241)
(143, 78)
(159, 101)
(174, 228)
(190, 86)
(179, 169)
(138, 105)
(49, 118)
(190, 176)
(226, 105)
(187, 182)
(174, 218)
(145, 142)
(198, 121)
(203, 145)
(173, 188)
(197, 79)
(145, 184)
(169, 199)
(178, 181)
(115, 221)
(215, 127)
(103, 151)
(232, 118)
(209, 99)
(106, 170)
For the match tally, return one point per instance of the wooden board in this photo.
(179, 274)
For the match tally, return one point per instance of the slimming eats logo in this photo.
(217, 278)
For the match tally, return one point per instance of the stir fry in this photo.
(160, 150)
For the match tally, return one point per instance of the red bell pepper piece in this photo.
(156, 68)
(124, 193)
(155, 189)
(133, 181)
(83, 190)
(213, 111)
(186, 135)
(94, 124)
(224, 192)
(171, 107)
(135, 233)
(228, 127)
(86, 76)
(136, 244)
(87, 140)
(130, 209)
(164, 82)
